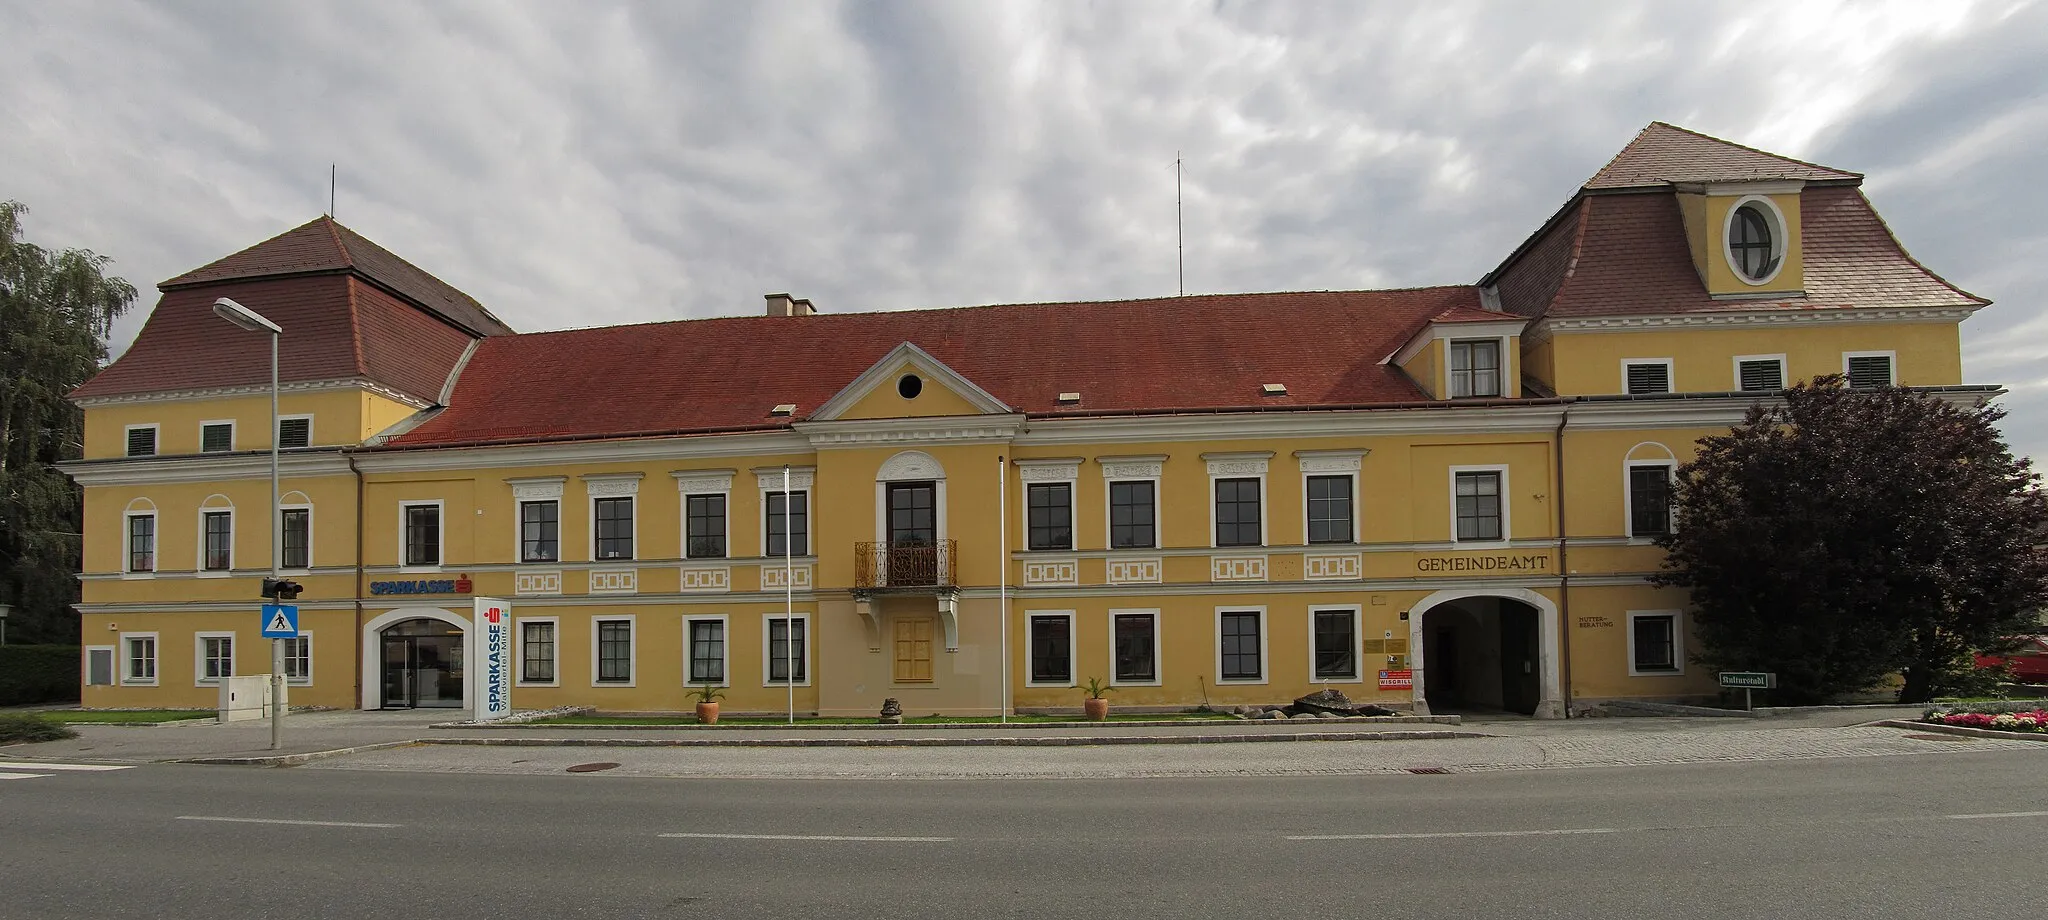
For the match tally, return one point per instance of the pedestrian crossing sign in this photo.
(280, 621)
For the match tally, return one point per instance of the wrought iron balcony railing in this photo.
(882, 566)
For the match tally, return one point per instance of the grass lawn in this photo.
(850, 720)
(123, 716)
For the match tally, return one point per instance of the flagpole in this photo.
(1003, 574)
(789, 597)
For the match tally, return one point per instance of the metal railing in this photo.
(884, 565)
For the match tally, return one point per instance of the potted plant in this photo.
(1096, 706)
(707, 703)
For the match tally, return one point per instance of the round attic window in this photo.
(1756, 240)
(909, 386)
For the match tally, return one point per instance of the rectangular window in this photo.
(294, 432)
(142, 441)
(704, 526)
(614, 651)
(913, 650)
(220, 540)
(297, 527)
(216, 437)
(216, 657)
(1647, 376)
(1052, 649)
(1653, 642)
(1649, 500)
(1478, 506)
(796, 525)
(1237, 512)
(1051, 509)
(1329, 509)
(707, 651)
(1760, 374)
(1137, 648)
(142, 543)
(614, 523)
(1336, 638)
(1132, 521)
(423, 535)
(99, 667)
(540, 531)
(537, 651)
(1866, 371)
(1475, 368)
(298, 659)
(1241, 653)
(785, 650)
(141, 659)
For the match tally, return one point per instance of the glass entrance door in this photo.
(422, 665)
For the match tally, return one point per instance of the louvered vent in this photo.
(1649, 378)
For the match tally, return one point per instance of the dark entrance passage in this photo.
(1482, 654)
(422, 665)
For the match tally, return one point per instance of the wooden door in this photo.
(913, 650)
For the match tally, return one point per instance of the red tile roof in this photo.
(1181, 353)
(1662, 154)
(323, 245)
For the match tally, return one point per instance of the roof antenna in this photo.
(330, 191)
(1179, 245)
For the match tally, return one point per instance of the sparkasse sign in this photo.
(494, 645)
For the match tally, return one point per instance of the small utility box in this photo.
(245, 698)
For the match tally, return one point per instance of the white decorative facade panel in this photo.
(1237, 568)
(614, 581)
(1048, 470)
(1051, 572)
(1131, 468)
(531, 583)
(612, 486)
(707, 578)
(1329, 566)
(775, 577)
(700, 482)
(1134, 571)
(537, 489)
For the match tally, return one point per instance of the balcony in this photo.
(890, 567)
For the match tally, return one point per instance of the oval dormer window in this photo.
(1753, 242)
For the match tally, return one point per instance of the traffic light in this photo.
(281, 589)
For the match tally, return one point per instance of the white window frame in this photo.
(209, 423)
(724, 630)
(307, 507)
(276, 434)
(800, 483)
(306, 680)
(1265, 640)
(1670, 375)
(1073, 666)
(1158, 665)
(1507, 531)
(684, 524)
(1073, 512)
(1357, 642)
(767, 643)
(1158, 512)
(1891, 364)
(113, 665)
(1501, 372)
(199, 656)
(155, 550)
(1781, 241)
(234, 531)
(1263, 462)
(545, 489)
(440, 535)
(1628, 495)
(156, 439)
(156, 660)
(1356, 523)
(632, 650)
(626, 486)
(1784, 376)
(1677, 642)
(519, 649)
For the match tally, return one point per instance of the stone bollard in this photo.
(892, 712)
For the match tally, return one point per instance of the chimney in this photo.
(780, 305)
(803, 307)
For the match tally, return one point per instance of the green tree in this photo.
(55, 311)
(1845, 535)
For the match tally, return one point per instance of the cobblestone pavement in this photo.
(1586, 747)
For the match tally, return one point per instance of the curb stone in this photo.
(1174, 723)
(290, 760)
(1056, 741)
(1964, 730)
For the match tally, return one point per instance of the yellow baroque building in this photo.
(1437, 498)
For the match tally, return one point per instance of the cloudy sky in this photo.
(590, 163)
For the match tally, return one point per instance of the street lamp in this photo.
(252, 321)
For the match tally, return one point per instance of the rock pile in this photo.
(1322, 704)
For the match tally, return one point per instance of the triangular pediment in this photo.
(939, 390)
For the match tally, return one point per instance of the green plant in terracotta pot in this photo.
(1096, 705)
(707, 697)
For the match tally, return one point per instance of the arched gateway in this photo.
(1486, 649)
(414, 658)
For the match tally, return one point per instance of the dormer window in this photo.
(1756, 240)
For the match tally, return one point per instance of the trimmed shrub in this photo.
(38, 674)
(27, 726)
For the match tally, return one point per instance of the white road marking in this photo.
(2007, 814)
(23, 775)
(283, 821)
(1548, 833)
(66, 767)
(808, 837)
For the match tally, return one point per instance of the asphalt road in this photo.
(1955, 835)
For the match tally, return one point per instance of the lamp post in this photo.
(252, 321)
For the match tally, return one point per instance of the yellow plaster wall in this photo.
(1425, 368)
(935, 399)
(1706, 222)
(338, 418)
(1703, 360)
(177, 507)
(334, 658)
(379, 413)
(1597, 629)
